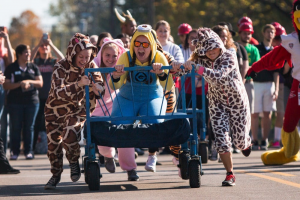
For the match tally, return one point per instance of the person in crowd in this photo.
(225, 36)
(128, 23)
(143, 52)
(22, 82)
(245, 33)
(6, 58)
(183, 31)
(283, 72)
(42, 57)
(100, 39)
(94, 39)
(228, 103)
(241, 52)
(125, 39)
(266, 85)
(108, 57)
(65, 111)
(188, 46)
(5, 167)
(163, 31)
(249, 21)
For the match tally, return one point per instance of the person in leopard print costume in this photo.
(65, 111)
(228, 104)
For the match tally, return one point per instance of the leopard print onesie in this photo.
(65, 111)
(228, 104)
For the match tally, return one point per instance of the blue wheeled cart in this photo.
(189, 160)
(201, 115)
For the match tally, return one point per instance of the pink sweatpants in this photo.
(126, 155)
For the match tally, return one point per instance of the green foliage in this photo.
(195, 12)
(25, 29)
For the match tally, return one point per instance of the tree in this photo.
(25, 29)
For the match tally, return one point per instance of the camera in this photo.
(2, 28)
(45, 36)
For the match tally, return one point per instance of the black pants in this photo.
(4, 164)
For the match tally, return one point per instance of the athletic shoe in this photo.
(132, 175)
(29, 156)
(276, 144)
(116, 157)
(264, 145)
(213, 155)
(246, 152)
(51, 185)
(151, 163)
(9, 171)
(229, 180)
(235, 150)
(139, 151)
(255, 145)
(110, 165)
(13, 156)
(75, 171)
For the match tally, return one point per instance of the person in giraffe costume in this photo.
(65, 111)
(228, 103)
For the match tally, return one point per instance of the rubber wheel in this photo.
(184, 159)
(203, 152)
(194, 171)
(85, 168)
(93, 176)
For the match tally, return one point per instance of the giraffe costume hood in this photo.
(65, 110)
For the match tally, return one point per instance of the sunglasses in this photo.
(144, 44)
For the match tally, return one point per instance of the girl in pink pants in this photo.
(107, 57)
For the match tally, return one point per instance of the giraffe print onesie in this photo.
(65, 111)
(228, 104)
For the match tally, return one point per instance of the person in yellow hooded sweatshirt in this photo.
(146, 87)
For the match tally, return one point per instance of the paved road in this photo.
(253, 181)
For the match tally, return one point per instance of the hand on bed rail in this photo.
(119, 71)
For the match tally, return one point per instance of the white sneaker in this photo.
(151, 163)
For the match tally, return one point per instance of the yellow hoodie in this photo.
(159, 58)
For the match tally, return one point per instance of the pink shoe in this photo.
(175, 161)
(276, 144)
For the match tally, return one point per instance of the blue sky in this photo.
(13, 8)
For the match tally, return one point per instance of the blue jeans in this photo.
(22, 116)
(140, 108)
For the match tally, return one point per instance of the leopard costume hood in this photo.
(207, 40)
(78, 43)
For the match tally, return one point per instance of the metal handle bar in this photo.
(138, 68)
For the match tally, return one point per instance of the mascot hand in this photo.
(250, 74)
